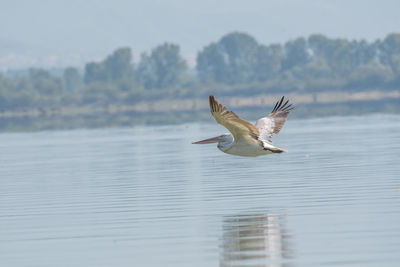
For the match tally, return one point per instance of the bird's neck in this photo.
(226, 144)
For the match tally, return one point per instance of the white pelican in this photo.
(246, 139)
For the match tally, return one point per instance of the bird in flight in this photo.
(246, 139)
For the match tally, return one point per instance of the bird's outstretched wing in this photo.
(240, 129)
(275, 120)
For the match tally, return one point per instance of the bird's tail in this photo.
(278, 150)
(274, 149)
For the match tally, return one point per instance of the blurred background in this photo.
(100, 101)
(121, 63)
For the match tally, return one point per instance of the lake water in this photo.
(146, 196)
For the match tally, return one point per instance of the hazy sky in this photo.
(63, 32)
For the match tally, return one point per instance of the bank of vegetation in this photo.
(234, 66)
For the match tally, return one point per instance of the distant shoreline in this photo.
(197, 104)
(309, 105)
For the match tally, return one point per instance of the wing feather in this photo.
(275, 120)
(240, 129)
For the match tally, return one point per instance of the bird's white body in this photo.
(246, 139)
(246, 148)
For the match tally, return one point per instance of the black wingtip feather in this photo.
(284, 105)
(287, 108)
(278, 106)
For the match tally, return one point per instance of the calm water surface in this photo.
(146, 196)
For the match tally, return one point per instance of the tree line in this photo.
(234, 65)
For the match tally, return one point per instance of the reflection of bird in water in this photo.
(245, 138)
(254, 240)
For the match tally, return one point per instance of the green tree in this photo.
(389, 51)
(269, 62)
(3, 92)
(373, 74)
(44, 83)
(115, 68)
(163, 68)
(72, 79)
(296, 54)
(232, 60)
(118, 66)
(212, 64)
(395, 63)
(342, 56)
(94, 72)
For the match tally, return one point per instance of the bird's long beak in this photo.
(209, 140)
